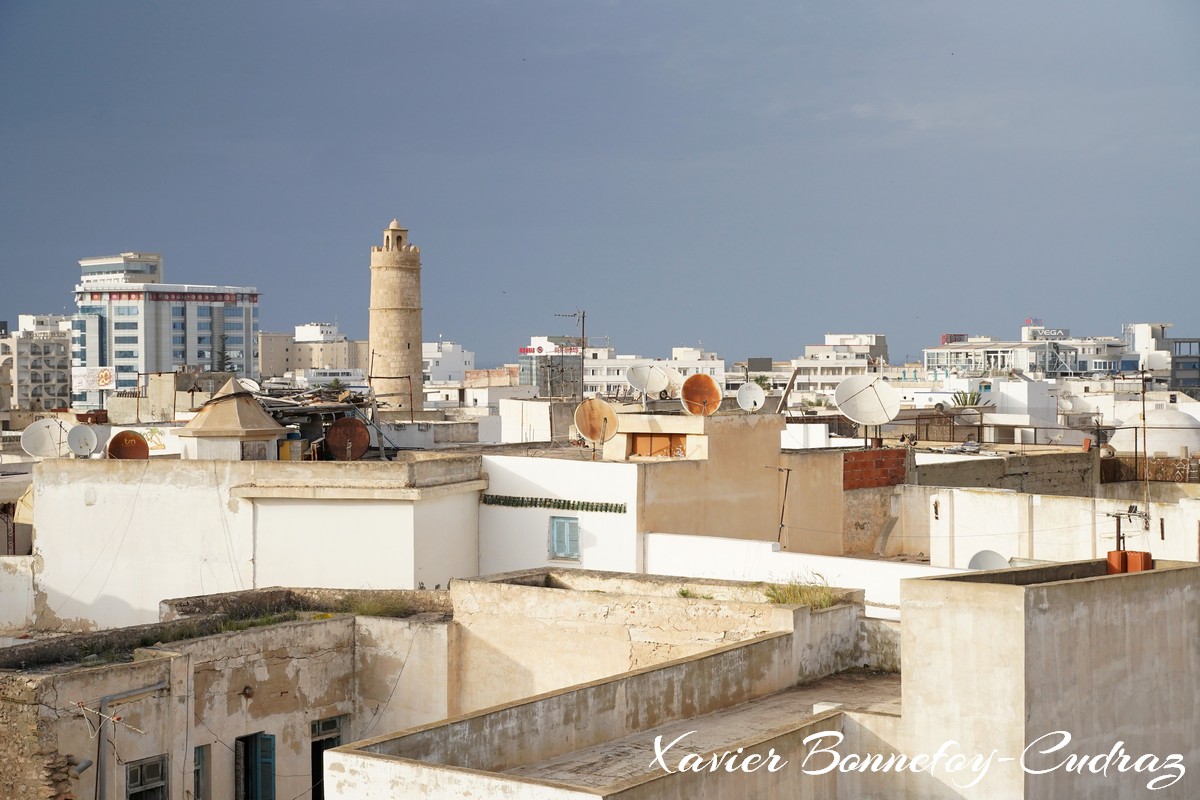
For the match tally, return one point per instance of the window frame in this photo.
(563, 539)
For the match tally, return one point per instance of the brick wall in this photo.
(30, 764)
(871, 469)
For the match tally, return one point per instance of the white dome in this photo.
(1167, 430)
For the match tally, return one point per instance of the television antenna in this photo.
(582, 317)
(867, 400)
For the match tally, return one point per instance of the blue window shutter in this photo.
(264, 768)
(573, 538)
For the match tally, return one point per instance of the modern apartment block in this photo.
(34, 367)
(130, 323)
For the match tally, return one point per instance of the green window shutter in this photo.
(264, 767)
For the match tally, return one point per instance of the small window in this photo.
(202, 774)
(146, 779)
(564, 538)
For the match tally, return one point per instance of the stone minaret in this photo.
(395, 329)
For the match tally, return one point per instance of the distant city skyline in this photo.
(745, 178)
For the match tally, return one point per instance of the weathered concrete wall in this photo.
(275, 680)
(735, 492)
(402, 673)
(151, 724)
(865, 516)
(1108, 659)
(790, 781)
(600, 711)
(1075, 474)
(964, 675)
(16, 592)
(516, 641)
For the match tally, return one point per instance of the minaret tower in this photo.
(394, 366)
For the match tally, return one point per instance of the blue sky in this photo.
(747, 177)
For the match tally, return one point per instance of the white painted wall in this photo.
(518, 538)
(523, 421)
(799, 437)
(116, 537)
(1052, 528)
(348, 544)
(16, 592)
(742, 560)
(445, 539)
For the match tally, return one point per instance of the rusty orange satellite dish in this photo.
(700, 395)
(129, 445)
(596, 420)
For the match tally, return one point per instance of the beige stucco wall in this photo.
(735, 492)
(814, 514)
(402, 673)
(516, 641)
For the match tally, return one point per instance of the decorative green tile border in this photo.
(550, 502)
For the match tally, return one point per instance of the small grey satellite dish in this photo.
(82, 440)
(46, 438)
(750, 397)
(988, 559)
(867, 400)
(249, 385)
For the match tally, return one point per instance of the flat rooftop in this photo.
(631, 758)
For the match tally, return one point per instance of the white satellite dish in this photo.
(249, 385)
(750, 397)
(988, 559)
(867, 400)
(649, 379)
(82, 440)
(675, 382)
(46, 438)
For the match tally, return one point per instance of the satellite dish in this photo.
(82, 440)
(647, 378)
(988, 559)
(675, 383)
(347, 439)
(750, 397)
(596, 420)
(867, 400)
(249, 385)
(46, 438)
(1097, 376)
(700, 395)
(128, 445)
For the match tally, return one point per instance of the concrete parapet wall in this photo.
(551, 725)
(1075, 474)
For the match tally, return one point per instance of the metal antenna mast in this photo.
(582, 317)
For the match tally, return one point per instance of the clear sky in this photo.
(746, 175)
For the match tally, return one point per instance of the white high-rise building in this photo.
(130, 323)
